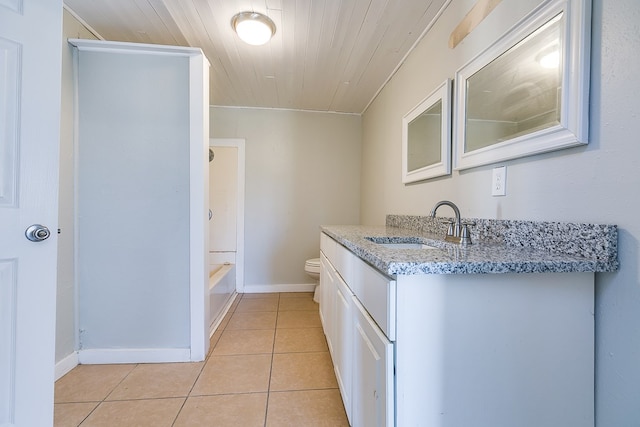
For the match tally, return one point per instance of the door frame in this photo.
(238, 143)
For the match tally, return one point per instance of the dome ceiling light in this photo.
(253, 28)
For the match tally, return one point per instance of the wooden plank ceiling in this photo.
(326, 55)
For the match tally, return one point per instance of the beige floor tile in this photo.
(234, 374)
(90, 383)
(257, 304)
(308, 295)
(135, 413)
(300, 340)
(253, 320)
(310, 408)
(234, 410)
(245, 341)
(150, 381)
(262, 295)
(71, 414)
(231, 387)
(302, 371)
(298, 319)
(297, 304)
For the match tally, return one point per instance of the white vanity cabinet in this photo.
(437, 350)
(336, 314)
(361, 352)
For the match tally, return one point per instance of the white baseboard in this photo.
(134, 355)
(261, 289)
(65, 365)
(225, 310)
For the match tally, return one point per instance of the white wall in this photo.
(302, 171)
(133, 200)
(597, 183)
(65, 302)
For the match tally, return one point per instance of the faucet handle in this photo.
(465, 236)
(450, 222)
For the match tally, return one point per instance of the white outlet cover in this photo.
(499, 181)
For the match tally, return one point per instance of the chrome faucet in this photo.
(457, 232)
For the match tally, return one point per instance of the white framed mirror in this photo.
(426, 137)
(527, 93)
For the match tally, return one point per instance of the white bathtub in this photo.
(222, 290)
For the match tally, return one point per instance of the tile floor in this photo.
(268, 365)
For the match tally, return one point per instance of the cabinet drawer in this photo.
(328, 247)
(344, 261)
(377, 293)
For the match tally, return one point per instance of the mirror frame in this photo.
(573, 128)
(443, 167)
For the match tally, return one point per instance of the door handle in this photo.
(37, 233)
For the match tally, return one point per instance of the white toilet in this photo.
(312, 268)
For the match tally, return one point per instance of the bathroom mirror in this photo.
(426, 137)
(527, 93)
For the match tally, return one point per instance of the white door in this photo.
(30, 49)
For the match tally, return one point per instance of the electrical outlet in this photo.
(499, 181)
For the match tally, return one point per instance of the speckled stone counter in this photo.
(499, 246)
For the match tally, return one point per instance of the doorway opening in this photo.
(226, 223)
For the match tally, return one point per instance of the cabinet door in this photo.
(327, 299)
(343, 343)
(373, 382)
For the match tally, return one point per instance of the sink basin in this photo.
(405, 243)
(406, 246)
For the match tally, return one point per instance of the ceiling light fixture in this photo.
(253, 28)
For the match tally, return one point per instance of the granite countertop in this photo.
(499, 247)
